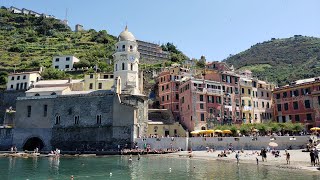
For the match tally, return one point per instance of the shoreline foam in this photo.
(299, 160)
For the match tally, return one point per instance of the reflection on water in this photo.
(118, 167)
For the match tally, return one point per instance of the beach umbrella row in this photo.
(209, 131)
(315, 129)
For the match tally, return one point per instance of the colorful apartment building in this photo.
(168, 87)
(204, 98)
(200, 103)
(298, 102)
(231, 97)
(262, 101)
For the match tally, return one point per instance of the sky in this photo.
(211, 28)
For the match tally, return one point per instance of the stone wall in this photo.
(94, 121)
(79, 138)
(7, 99)
(247, 143)
(66, 133)
(5, 139)
(21, 135)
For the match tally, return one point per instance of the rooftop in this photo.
(47, 89)
(20, 73)
(54, 82)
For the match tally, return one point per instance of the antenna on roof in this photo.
(66, 16)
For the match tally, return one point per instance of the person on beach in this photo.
(265, 154)
(288, 157)
(316, 156)
(312, 157)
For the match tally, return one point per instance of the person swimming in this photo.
(130, 158)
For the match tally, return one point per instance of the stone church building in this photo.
(88, 120)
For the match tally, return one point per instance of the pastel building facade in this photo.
(168, 87)
(64, 63)
(298, 102)
(98, 81)
(200, 103)
(231, 97)
(22, 81)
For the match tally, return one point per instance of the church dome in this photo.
(126, 35)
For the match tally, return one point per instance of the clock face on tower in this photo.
(131, 58)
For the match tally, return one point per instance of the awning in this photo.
(315, 129)
(217, 131)
(227, 131)
(195, 132)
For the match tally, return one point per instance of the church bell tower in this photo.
(126, 64)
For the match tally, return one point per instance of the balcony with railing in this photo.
(208, 91)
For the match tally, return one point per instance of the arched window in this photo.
(203, 128)
(123, 47)
(37, 94)
(98, 119)
(131, 47)
(53, 93)
(25, 85)
(122, 66)
(57, 120)
(131, 67)
(116, 67)
(155, 129)
(76, 119)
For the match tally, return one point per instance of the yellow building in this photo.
(246, 99)
(161, 129)
(98, 81)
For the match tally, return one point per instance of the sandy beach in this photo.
(299, 159)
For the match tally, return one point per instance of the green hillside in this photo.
(27, 42)
(281, 60)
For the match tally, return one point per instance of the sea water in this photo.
(148, 167)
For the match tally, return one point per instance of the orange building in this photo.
(298, 102)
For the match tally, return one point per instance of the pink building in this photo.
(168, 87)
(200, 103)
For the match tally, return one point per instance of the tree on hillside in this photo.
(175, 54)
(100, 37)
(201, 63)
(3, 78)
(51, 73)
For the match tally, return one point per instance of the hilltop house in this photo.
(64, 63)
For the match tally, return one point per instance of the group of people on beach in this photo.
(13, 149)
(314, 157)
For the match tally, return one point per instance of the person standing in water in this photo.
(237, 157)
(130, 158)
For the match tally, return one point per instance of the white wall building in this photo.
(47, 91)
(64, 63)
(22, 81)
(126, 60)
